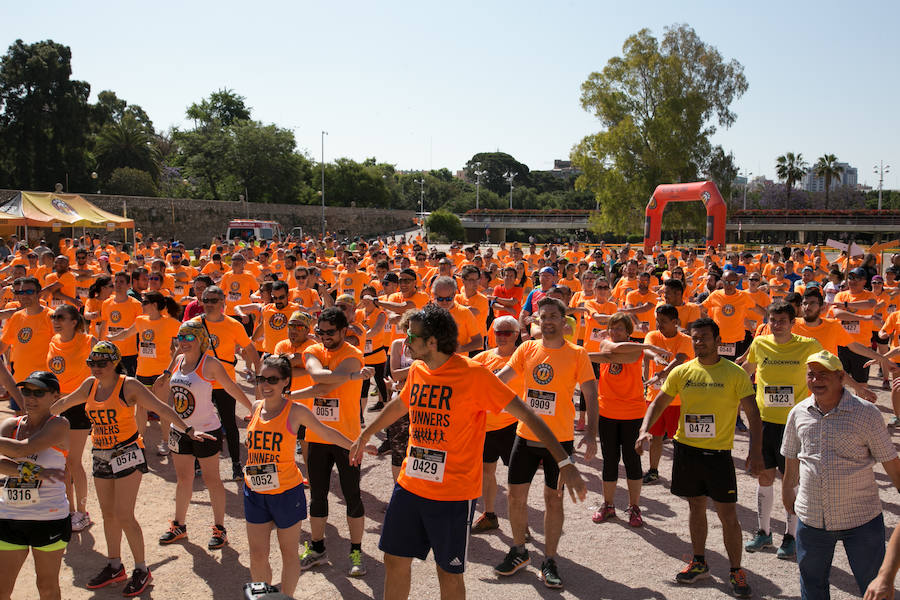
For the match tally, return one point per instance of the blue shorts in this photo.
(286, 509)
(413, 525)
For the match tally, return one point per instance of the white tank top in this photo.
(193, 397)
(45, 503)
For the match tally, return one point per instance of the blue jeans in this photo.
(864, 546)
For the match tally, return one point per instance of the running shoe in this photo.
(606, 512)
(634, 516)
(740, 426)
(138, 583)
(894, 422)
(485, 523)
(788, 548)
(384, 448)
(219, 538)
(550, 575)
(176, 532)
(759, 542)
(739, 586)
(81, 521)
(237, 472)
(695, 571)
(162, 449)
(376, 407)
(310, 558)
(652, 476)
(357, 566)
(107, 576)
(513, 562)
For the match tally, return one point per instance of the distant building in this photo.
(564, 168)
(815, 183)
(739, 181)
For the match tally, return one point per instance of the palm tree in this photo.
(828, 168)
(126, 144)
(790, 168)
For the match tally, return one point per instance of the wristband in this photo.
(167, 373)
(188, 430)
(566, 461)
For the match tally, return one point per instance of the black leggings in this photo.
(582, 406)
(617, 439)
(225, 405)
(379, 382)
(322, 457)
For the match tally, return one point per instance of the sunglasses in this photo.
(36, 393)
(57, 317)
(504, 333)
(279, 298)
(211, 300)
(25, 292)
(602, 287)
(186, 337)
(328, 332)
(406, 280)
(97, 363)
(270, 380)
(444, 298)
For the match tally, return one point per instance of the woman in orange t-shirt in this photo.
(66, 356)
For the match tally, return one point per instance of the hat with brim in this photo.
(827, 360)
(44, 380)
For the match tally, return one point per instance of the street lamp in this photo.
(324, 133)
(478, 174)
(421, 183)
(880, 170)
(94, 177)
(746, 185)
(509, 176)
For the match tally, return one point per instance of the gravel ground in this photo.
(610, 560)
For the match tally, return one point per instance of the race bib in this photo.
(147, 349)
(425, 463)
(174, 438)
(700, 426)
(850, 326)
(129, 457)
(644, 326)
(368, 346)
(327, 410)
(388, 328)
(21, 493)
(114, 330)
(56, 302)
(778, 396)
(262, 478)
(542, 402)
(179, 290)
(727, 350)
(234, 296)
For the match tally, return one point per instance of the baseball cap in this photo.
(877, 279)
(807, 268)
(391, 278)
(550, 270)
(345, 299)
(827, 360)
(858, 272)
(44, 380)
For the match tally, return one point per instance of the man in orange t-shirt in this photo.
(447, 397)
(855, 309)
(334, 362)
(729, 308)
(27, 332)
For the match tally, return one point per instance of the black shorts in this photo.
(77, 418)
(301, 432)
(700, 472)
(527, 456)
(147, 380)
(772, 434)
(876, 339)
(36, 534)
(854, 364)
(498, 444)
(183, 444)
(129, 363)
(414, 525)
(102, 465)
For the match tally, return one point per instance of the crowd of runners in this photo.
(453, 362)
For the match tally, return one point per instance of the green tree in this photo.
(112, 109)
(126, 181)
(495, 165)
(444, 225)
(658, 104)
(44, 118)
(828, 168)
(790, 168)
(126, 143)
(224, 106)
(263, 159)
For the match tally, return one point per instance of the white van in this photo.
(244, 229)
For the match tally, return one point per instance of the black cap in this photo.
(391, 278)
(858, 272)
(44, 380)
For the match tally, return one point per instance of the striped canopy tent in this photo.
(55, 211)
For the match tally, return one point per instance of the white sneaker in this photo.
(162, 449)
(81, 521)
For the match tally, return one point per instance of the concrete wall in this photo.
(195, 222)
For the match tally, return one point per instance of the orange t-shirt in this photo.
(550, 376)
(592, 329)
(480, 302)
(829, 333)
(620, 390)
(352, 283)
(892, 328)
(28, 338)
(860, 331)
(119, 316)
(237, 289)
(225, 338)
(340, 410)
(729, 313)
(307, 297)
(466, 325)
(155, 344)
(447, 420)
(493, 361)
(647, 317)
(67, 360)
(286, 347)
(275, 324)
(678, 344)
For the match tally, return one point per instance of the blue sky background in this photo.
(427, 85)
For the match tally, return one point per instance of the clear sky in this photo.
(429, 84)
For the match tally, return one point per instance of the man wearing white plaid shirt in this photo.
(831, 442)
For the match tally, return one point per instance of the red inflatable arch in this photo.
(704, 191)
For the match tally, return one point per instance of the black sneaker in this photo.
(513, 561)
(384, 448)
(138, 583)
(739, 586)
(550, 575)
(237, 472)
(652, 476)
(176, 532)
(219, 539)
(107, 576)
(694, 571)
(376, 407)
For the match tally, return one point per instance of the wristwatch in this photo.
(566, 461)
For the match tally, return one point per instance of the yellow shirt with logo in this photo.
(710, 399)
(780, 374)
